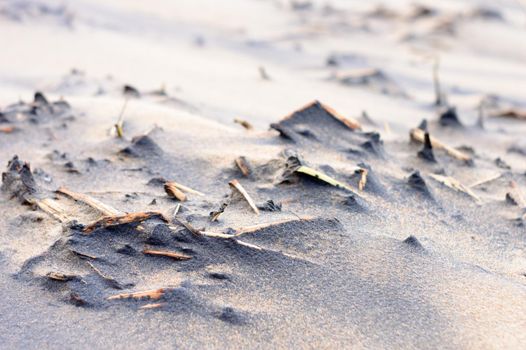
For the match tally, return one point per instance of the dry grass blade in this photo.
(235, 184)
(169, 254)
(171, 189)
(153, 294)
(456, 185)
(243, 123)
(243, 166)
(419, 136)
(116, 220)
(322, 177)
(92, 202)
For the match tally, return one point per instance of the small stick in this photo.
(172, 191)
(322, 177)
(243, 123)
(243, 166)
(186, 188)
(116, 220)
(169, 254)
(90, 201)
(419, 136)
(153, 294)
(235, 184)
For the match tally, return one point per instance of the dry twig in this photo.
(169, 254)
(235, 184)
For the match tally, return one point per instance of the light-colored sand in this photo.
(354, 284)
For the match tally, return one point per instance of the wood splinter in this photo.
(169, 254)
(153, 294)
(236, 185)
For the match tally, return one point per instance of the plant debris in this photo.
(154, 294)
(116, 220)
(456, 185)
(270, 206)
(418, 135)
(244, 166)
(236, 185)
(214, 215)
(169, 254)
(62, 277)
(174, 192)
(512, 114)
(243, 123)
(120, 122)
(294, 165)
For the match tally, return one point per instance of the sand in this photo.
(358, 237)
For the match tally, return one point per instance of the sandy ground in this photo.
(405, 252)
